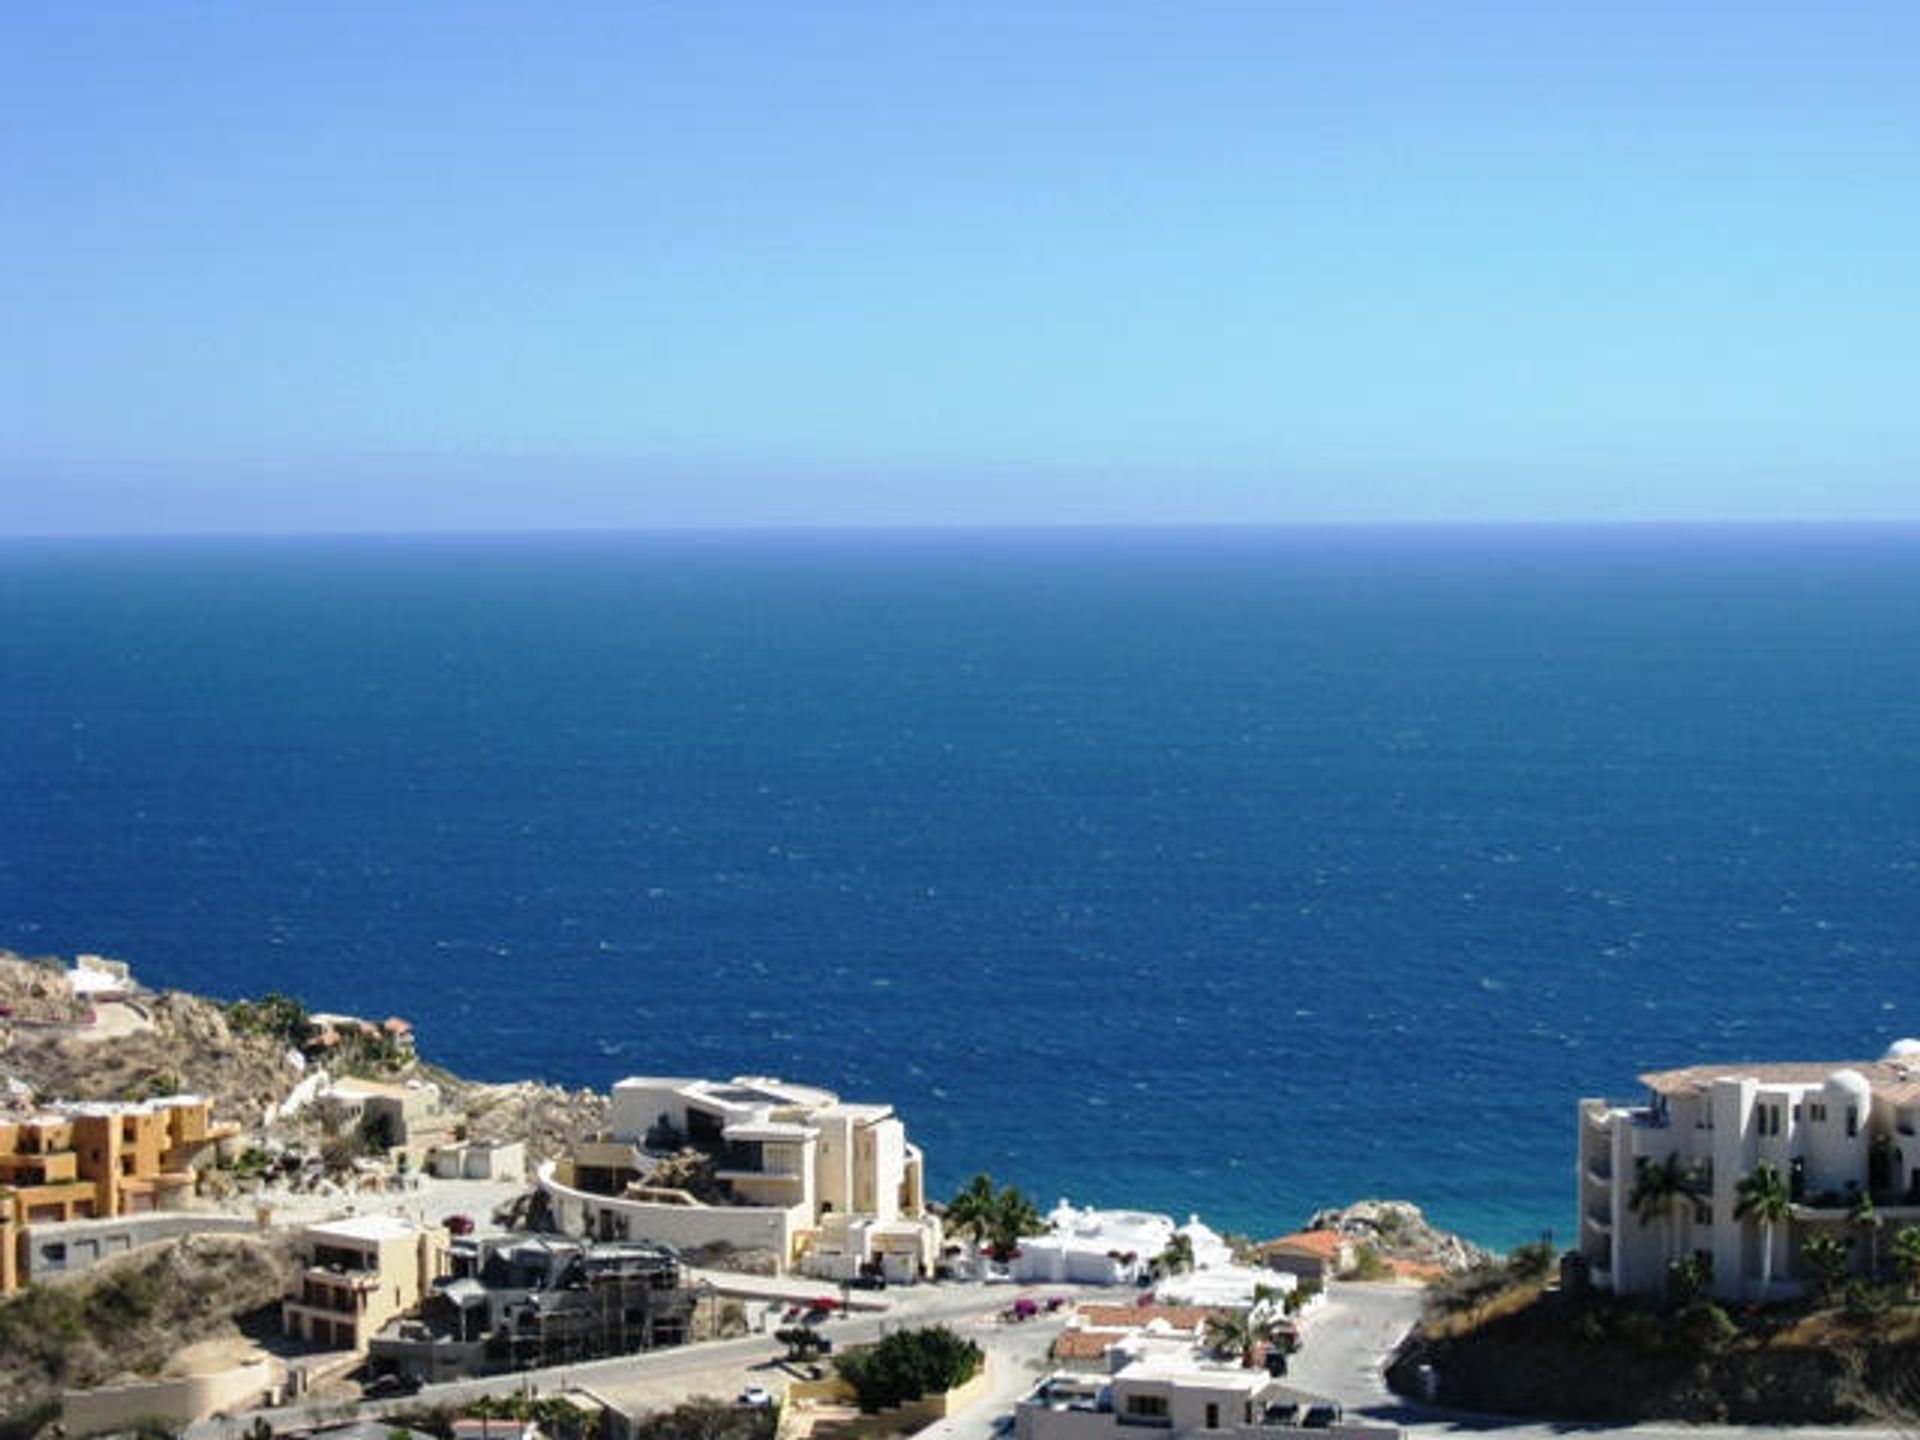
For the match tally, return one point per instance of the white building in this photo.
(1092, 1247)
(1160, 1388)
(1833, 1131)
(833, 1188)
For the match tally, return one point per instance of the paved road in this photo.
(1343, 1358)
(724, 1367)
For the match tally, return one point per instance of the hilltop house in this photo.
(85, 1160)
(1660, 1181)
(833, 1188)
(406, 1119)
(1308, 1254)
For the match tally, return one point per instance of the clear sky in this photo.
(439, 265)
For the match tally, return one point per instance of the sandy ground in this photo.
(114, 1020)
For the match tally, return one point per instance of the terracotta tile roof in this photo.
(1327, 1244)
(1881, 1074)
(1136, 1317)
(1083, 1344)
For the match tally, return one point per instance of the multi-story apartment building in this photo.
(1661, 1181)
(512, 1302)
(359, 1274)
(834, 1186)
(97, 1161)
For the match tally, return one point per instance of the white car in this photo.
(756, 1395)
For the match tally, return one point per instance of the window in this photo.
(1853, 1121)
(1213, 1416)
(1151, 1407)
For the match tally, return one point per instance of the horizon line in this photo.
(976, 527)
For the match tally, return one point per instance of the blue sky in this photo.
(368, 266)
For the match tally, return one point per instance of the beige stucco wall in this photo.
(176, 1402)
(685, 1227)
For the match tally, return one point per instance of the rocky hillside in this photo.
(126, 1318)
(151, 1044)
(1399, 1231)
(176, 1041)
(547, 1117)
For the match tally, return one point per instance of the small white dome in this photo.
(1903, 1050)
(1849, 1086)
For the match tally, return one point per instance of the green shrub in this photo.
(1531, 1263)
(908, 1364)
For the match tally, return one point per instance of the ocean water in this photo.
(1239, 872)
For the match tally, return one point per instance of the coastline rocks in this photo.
(1399, 1231)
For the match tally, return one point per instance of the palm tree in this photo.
(1906, 1255)
(1658, 1191)
(1238, 1333)
(1178, 1255)
(1012, 1216)
(1828, 1254)
(971, 1211)
(1862, 1215)
(1765, 1200)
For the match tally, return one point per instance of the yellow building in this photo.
(98, 1161)
(359, 1274)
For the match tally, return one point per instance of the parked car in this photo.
(1320, 1417)
(868, 1282)
(389, 1387)
(757, 1396)
(460, 1224)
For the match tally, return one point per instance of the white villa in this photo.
(1091, 1247)
(1835, 1132)
(1161, 1385)
(831, 1188)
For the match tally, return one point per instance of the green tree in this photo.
(997, 1217)
(1765, 1200)
(1532, 1262)
(1689, 1277)
(803, 1342)
(273, 1014)
(971, 1211)
(706, 1419)
(1178, 1255)
(1237, 1332)
(1828, 1254)
(1906, 1255)
(907, 1364)
(1862, 1216)
(1013, 1216)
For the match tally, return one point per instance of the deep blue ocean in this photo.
(1238, 871)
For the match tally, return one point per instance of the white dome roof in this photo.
(1903, 1050)
(1850, 1084)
